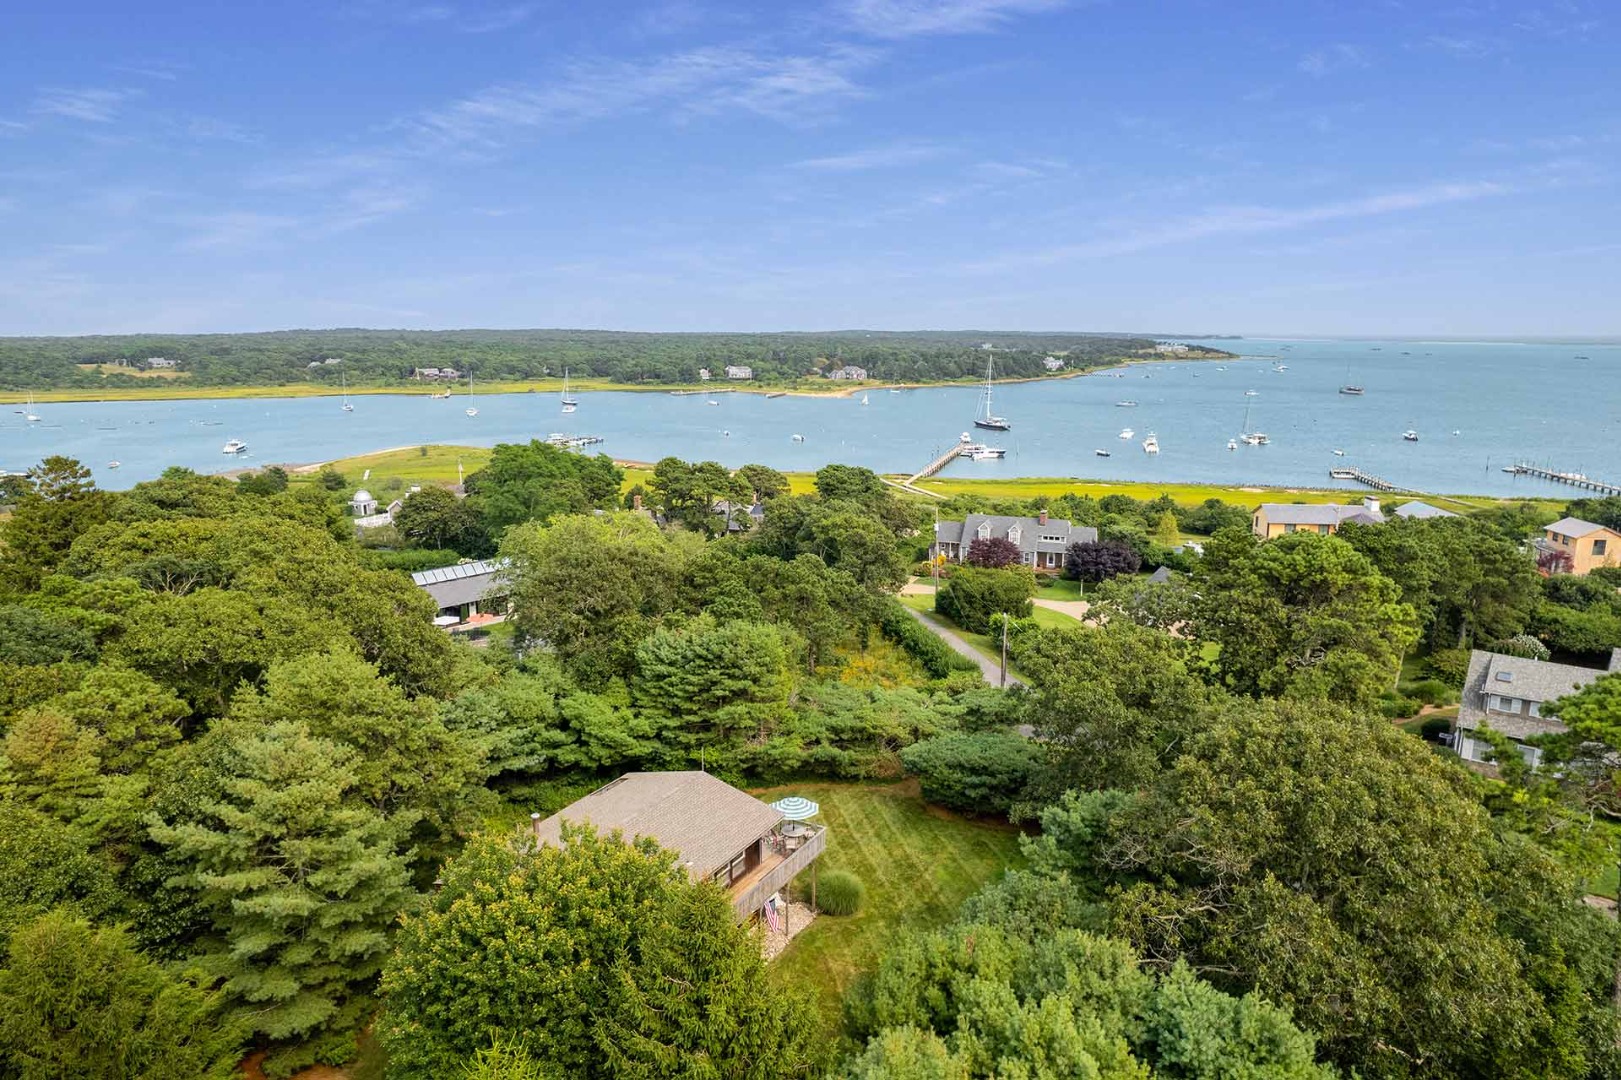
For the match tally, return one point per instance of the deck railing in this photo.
(752, 898)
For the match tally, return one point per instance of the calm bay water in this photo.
(1556, 405)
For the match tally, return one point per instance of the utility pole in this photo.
(1004, 650)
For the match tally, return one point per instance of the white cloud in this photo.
(917, 18)
(896, 155)
(1333, 58)
(93, 105)
(706, 80)
(1253, 220)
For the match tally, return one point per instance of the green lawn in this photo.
(919, 864)
(1061, 589)
(1605, 883)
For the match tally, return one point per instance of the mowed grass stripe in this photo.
(918, 866)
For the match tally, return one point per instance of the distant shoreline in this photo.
(173, 390)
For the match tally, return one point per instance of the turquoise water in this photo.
(1506, 402)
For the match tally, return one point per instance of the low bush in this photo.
(840, 893)
(982, 773)
(1521, 645)
(973, 595)
(1433, 728)
(1398, 707)
(1430, 692)
(937, 658)
(1451, 666)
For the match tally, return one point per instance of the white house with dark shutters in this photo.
(1041, 540)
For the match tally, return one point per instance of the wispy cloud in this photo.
(1468, 48)
(465, 18)
(700, 81)
(918, 18)
(93, 105)
(1255, 220)
(233, 229)
(893, 156)
(1333, 58)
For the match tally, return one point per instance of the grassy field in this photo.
(919, 864)
(1186, 494)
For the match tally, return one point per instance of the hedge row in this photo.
(937, 658)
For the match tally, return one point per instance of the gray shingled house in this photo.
(1508, 692)
(721, 834)
(465, 589)
(1041, 540)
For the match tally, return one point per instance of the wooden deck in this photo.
(749, 892)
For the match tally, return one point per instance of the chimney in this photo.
(636, 501)
(1043, 519)
(1370, 503)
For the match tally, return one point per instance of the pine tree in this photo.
(303, 883)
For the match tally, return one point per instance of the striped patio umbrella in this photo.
(796, 809)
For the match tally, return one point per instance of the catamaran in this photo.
(346, 406)
(569, 401)
(471, 410)
(986, 418)
(1248, 437)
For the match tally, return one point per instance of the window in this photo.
(1053, 539)
(1290, 528)
(738, 866)
(1322, 530)
(1533, 708)
(984, 530)
(1505, 704)
(1014, 533)
(1598, 547)
(1052, 559)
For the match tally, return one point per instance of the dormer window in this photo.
(984, 530)
(1014, 533)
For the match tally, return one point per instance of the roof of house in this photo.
(464, 583)
(1031, 531)
(1574, 527)
(706, 820)
(1160, 576)
(1318, 513)
(1517, 677)
(1418, 509)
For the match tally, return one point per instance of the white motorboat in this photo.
(1232, 444)
(1254, 438)
(1249, 393)
(711, 401)
(235, 446)
(1410, 435)
(1101, 453)
(799, 438)
(114, 464)
(1342, 474)
(1339, 453)
(1151, 444)
(1125, 404)
(986, 453)
(1126, 433)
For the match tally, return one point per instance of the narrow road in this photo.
(987, 667)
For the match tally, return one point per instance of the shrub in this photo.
(1433, 728)
(1451, 666)
(937, 658)
(1430, 692)
(1521, 645)
(1398, 707)
(840, 893)
(983, 773)
(972, 596)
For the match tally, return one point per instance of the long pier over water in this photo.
(1572, 478)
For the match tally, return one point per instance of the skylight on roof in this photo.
(1505, 676)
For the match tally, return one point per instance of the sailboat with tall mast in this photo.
(31, 416)
(346, 406)
(570, 402)
(987, 418)
(1248, 437)
(472, 410)
(1349, 388)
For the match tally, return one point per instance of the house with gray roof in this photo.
(1041, 540)
(1507, 693)
(1422, 510)
(1580, 547)
(468, 594)
(718, 833)
(1325, 519)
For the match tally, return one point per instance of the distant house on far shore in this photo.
(1052, 363)
(1280, 519)
(848, 371)
(157, 362)
(739, 371)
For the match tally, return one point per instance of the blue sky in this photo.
(1231, 166)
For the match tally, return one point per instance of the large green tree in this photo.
(1302, 615)
(62, 504)
(535, 481)
(302, 882)
(436, 518)
(77, 1001)
(599, 958)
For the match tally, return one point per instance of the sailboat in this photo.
(472, 410)
(346, 406)
(863, 399)
(569, 400)
(1350, 388)
(988, 419)
(1248, 437)
(31, 416)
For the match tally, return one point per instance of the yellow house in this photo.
(1587, 545)
(1280, 519)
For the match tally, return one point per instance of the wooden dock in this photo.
(1360, 477)
(937, 464)
(1572, 478)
